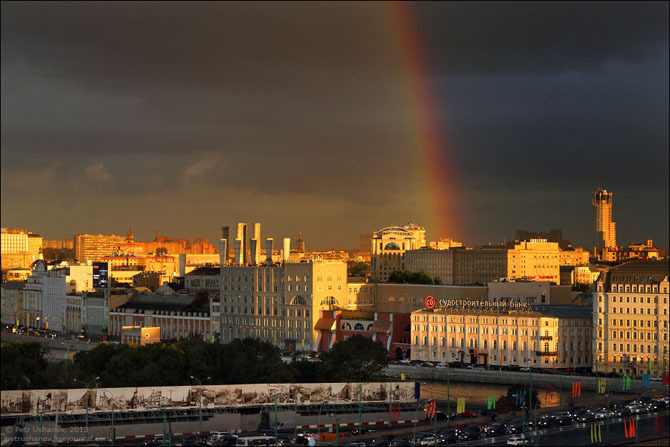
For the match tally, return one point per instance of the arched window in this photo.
(328, 301)
(346, 326)
(392, 246)
(369, 326)
(359, 327)
(298, 301)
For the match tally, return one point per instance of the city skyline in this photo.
(335, 119)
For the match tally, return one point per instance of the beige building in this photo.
(280, 303)
(94, 247)
(389, 246)
(361, 294)
(556, 337)
(630, 312)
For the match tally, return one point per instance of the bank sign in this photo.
(430, 302)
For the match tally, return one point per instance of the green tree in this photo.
(23, 366)
(358, 359)
(355, 268)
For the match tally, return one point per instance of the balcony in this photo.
(546, 353)
(546, 337)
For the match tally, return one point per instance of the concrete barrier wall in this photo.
(516, 378)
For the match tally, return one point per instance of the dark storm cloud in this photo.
(305, 106)
(539, 37)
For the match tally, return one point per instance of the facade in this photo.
(20, 248)
(555, 337)
(578, 256)
(94, 247)
(11, 302)
(605, 227)
(203, 279)
(178, 316)
(388, 248)
(360, 293)
(534, 260)
(630, 317)
(391, 330)
(278, 303)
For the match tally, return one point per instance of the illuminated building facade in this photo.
(556, 337)
(630, 313)
(605, 227)
(278, 303)
(389, 246)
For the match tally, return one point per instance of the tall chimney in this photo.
(269, 242)
(287, 248)
(238, 252)
(254, 253)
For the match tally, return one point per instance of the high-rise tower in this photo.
(605, 228)
(242, 236)
(256, 256)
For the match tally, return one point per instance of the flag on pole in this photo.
(646, 382)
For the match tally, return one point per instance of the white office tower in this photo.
(257, 235)
(242, 236)
(287, 249)
(254, 251)
(269, 242)
(238, 252)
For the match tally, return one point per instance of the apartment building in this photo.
(630, 318)
(278, 303)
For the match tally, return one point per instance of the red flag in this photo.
(625, 427)
(579, 389)
(632, 428)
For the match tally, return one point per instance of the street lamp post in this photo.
(111, 399)
(318, 422)
(200, 412)
(88, 395)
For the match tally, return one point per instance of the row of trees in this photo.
(407, 277)
(24, 365)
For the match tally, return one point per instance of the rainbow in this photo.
(431, 137)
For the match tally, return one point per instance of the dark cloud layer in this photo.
(299, 115)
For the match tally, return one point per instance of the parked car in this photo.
(517, 440)
(524, 369)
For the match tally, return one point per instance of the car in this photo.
(585, 416)
(524, 369)
(470, 434)
(605, 414)
(383, 440)
(400, 442)
(478, 368)
(655, 378)
(514, 427)
(152, 442)
(495, 430)
(517, 440)
(468, 414)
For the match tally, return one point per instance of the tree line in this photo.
(172, 363)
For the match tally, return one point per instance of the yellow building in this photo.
(631, 318)
(388, 248)
(578, 256)
(20, 248)
(90, 247)
(507, 334)
(279, 303)
(361, 294)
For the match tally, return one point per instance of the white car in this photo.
(524, 369)
(655, 378)
(517, 440)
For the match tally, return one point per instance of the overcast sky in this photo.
(184, 117)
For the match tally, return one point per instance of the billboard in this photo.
(100, 275)
(213, 396)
